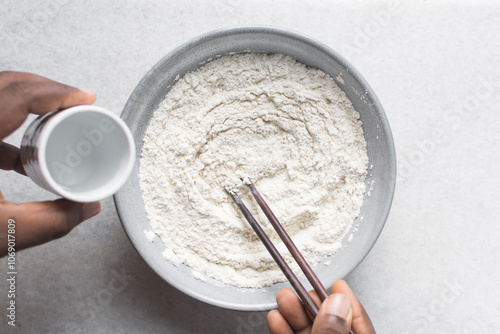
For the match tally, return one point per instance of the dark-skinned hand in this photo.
(35, 222)
(338, 314)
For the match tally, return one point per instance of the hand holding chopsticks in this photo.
(306, 299)
(363, 322)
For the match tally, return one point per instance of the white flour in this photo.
(289, 128)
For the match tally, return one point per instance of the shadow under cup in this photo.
(83, 153)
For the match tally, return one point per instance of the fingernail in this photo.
(339, 305)
(87, 91)
(91, 209)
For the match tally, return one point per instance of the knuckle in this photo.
(68, 217)
(20, 88)
(60, 228)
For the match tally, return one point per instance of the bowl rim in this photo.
(277, 31)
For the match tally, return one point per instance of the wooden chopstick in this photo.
(297, 255)
(298, 287)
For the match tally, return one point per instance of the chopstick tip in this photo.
(246, 180)
(229, 190)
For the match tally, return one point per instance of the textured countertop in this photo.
(435, 68)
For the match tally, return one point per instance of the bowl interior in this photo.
(380, 180)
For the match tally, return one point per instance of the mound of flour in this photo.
(286, 126)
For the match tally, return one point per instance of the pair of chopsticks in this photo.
(311, 276)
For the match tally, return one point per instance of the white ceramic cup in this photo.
(83, 153)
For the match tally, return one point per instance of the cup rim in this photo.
(106, 189)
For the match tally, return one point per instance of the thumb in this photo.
(334, 316)
(40, 222)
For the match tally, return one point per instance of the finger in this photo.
(10, 158)
(8, 77)
(20, 98)
(293, 311)
(361, 322)
(334, 316)
(277, 323)
(39, 222)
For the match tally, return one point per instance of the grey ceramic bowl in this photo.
(380, 181)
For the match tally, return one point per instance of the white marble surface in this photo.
(435, 68)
